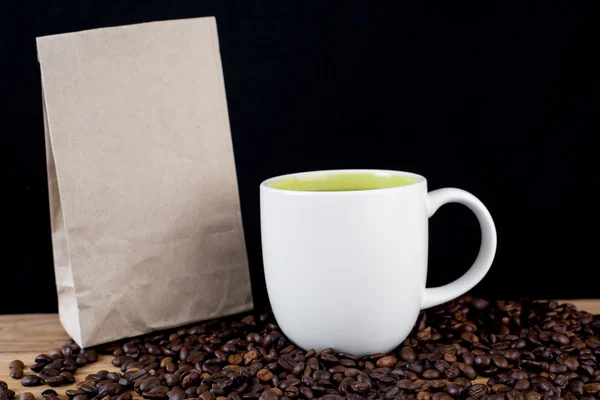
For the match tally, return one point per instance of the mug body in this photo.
(345, 269)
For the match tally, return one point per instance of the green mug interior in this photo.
(341, 181)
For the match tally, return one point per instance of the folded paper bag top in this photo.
(145, 214)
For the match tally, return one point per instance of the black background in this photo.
(497, 98)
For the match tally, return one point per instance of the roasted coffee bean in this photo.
(352, 372)
(149, 383)
(464, 382)
(287, 362)
(431, 374)
(37, 367)
(406, 384)
(158, 392)
(55, 364)
(81, 360)
(514, 395)
(269, 394)
(6, 393)
(320, 374)
(591, 388)
(410, 375)
(283, 385)
(26, 396)
(452, 372)
(17, 364)
(482, 361)
(264, 375)
(55, 380)
(500, 361)
(407, 353)
(329, 358)
(522, 385)
(454, 390)
(31, 380)
(16, 372)
(478, 391)
(113, 376)
(89, 389)
(49, 392)
(124, 396)
(72, 393)
(48, 372)
(68, 377)
(386, 362)
(126, 382)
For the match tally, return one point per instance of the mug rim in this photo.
(264, 185)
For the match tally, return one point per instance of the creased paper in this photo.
(145, 214)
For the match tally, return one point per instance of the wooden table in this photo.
(23, 337)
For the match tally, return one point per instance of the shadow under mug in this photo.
(345, 255)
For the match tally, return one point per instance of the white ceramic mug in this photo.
(345, 259)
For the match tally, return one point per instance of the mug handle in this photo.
(483, 262)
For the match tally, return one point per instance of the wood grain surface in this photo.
(23, 337)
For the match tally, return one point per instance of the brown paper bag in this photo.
(146, 225)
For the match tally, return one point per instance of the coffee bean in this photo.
(407, 353)
(68, 377)
(26, 396)
(387, 361)
(48, 372)
(149, 383)
(158, 392)
(500, 361)
(431, 374)
(17, 364)
(410, 375)
(31, 380)
(522, 384)
(452, 372)
(55, 380)
(454, 390)
(332, 397)
(591, 388)
(329, 358)
(269, 394)
(15, 372)
(7, 393)
(287, 362)
(37, 367)
(320, 374)
(126, 396)
(113, 376)
(72, 393)
(88, 388)
(514, 395)
(264, 375)
(482, 361)
(478, 390)
(352, 372)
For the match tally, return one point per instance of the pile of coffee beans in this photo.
(55, 368)
(524, 349)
